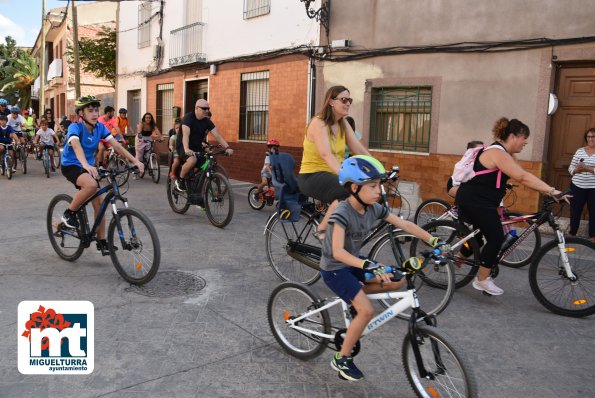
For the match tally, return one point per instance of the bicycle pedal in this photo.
(341, 376)
(486, 293)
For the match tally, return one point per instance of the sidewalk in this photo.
(199, 329)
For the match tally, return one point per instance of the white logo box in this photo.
(49, 323)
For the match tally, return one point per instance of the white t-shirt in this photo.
(16, 123)
(46, 136)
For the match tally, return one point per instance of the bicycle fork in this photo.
(417, 340)
(564, 256)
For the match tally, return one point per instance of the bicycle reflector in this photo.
(286, 315)
(569, 249)
(432, 391)
(580, 302)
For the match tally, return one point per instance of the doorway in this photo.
(575, 88)
(195, 90)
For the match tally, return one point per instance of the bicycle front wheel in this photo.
(433, 298)
(155, 169)
(253, 201)
(465, 259)
(554, 289)
(135, 249)
(431, 210)
(289, 301)
(178, 200)
(64, 240)
(8, 165)
(281, 240)
(119, 164)
(218, 199)
(57, 157)
(23, 157)
(449, 372)
(524, 252)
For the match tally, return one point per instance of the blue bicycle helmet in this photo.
(3, 102)
(360, 169)
(15, 109)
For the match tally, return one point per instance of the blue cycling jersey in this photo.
(89, 142)
(5, 135)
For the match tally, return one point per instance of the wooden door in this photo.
(575, 88)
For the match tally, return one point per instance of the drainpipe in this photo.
(311, 90)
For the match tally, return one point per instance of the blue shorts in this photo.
(345, 283)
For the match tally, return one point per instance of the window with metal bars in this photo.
(400, 118)
(254, 106)
(165, 103)
(144, 24)
(255, 8)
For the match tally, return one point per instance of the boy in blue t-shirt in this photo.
(340, 265)
(78, 162)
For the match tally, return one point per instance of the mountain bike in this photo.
(257, 200)
(6, 164)
(294, 253)
(434, 365)
(132, 240)
(561, 274)
(151, 162)
(113, 161)
(47, 160)
(207, 188)
(438, 209)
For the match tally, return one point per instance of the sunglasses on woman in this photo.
(345, 100)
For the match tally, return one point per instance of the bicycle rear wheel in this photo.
(280, 240)
(524, 252)
(155, 169)
(178, 200)
(254, 203)
(430, 210)
(64, 240)
(449, 372)
(465, 259)
(218, 199)
(553, 289)
(288, 301)
(138, 251)
(434, 298)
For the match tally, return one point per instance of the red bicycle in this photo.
(258, 200)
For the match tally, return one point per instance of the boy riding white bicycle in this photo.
(341, 268)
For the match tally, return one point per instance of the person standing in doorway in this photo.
(582, 170)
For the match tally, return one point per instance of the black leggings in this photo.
(581, 196)
(489, 223)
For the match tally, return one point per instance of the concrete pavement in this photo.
(200, 328)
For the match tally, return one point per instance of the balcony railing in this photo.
(55, 69)
(185, 45)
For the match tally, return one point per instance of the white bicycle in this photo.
(435, 367)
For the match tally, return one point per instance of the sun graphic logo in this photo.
(56, 337)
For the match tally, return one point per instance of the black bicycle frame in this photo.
(113, 194)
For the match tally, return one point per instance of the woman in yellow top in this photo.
(324, 149)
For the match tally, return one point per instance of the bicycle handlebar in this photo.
(407, 268)
(105, 173)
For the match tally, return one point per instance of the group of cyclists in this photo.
(351, 186)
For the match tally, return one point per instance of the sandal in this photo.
(320, 235)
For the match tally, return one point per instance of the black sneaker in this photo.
(180, 184)
(346, 368)
(103, 247)
(69, 219)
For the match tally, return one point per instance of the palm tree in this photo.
(19, 76)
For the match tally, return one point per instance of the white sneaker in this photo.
(487, 286)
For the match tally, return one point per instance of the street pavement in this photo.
(200, 328)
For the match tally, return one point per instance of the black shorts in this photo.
(72, 173)
(323, 186)
(19, 134)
